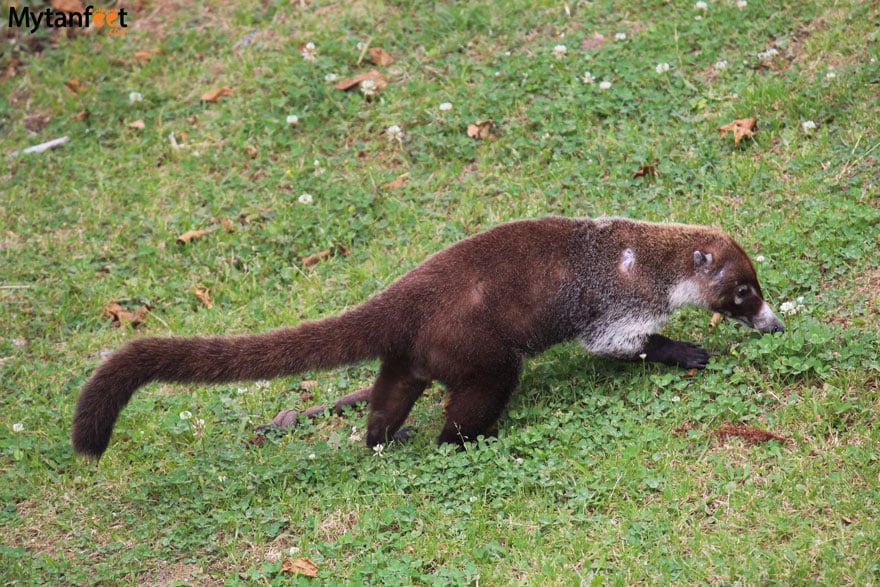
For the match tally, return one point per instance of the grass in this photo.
(602, 473)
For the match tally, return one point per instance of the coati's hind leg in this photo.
(393, 394)
(660, 349)
(475, 404)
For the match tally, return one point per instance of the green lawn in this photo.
(602, 473)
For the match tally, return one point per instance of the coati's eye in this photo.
(742, 291)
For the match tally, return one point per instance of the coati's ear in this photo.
(702, 262)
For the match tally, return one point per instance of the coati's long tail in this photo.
(333, 341)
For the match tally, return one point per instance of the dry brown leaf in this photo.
(316, 258)
(74, 85)
(192, 234)
(397, 183)
(217, 93)
(145, 55)
(67, 5)
(81, 115)
(302, 566)
(353, 82)
(121, 316)
(380, 57)
(138, 124)
(480, 130)
(308, 384)
(716, 320)
(747, 433)
(228, 224)
(11, 70)
(743, 128)
(204, 295)
(252, 151)
(646, 171)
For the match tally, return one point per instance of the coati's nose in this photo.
(777, 327)
(767, 322)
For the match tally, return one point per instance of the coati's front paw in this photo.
(688, 355)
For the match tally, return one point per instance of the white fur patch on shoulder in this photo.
(627, 260)
(685, 293)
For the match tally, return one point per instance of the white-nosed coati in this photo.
(468, 317)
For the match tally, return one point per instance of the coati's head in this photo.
(729, 285)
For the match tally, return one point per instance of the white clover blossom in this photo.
(263, 383)
(721, 64)
(559, 51)
(445, 106)
(304, 199)
(18, 427)
(222, 478)
(318, 169)
(808, 126)
(588, 78)
(368, 87)
(185, 415)
(394, 133)
(135, 97)
(830, 75)
(605, 85)
(768, 54)
(292, 119)
(308, 51)
(792, 308)
(759, 258)
(741, 4)
(331, 77)
(311, 456)
(701, 5)
(620, 36)
(378, 449)
(662, 67)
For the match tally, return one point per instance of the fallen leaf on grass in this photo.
(748, 433)
(11, 70)
(380, 57)
(81, 115)
(353, 82)
(396, 183)
(138, 124)
(743, 128)
(204, 295)
(121, 316)
(228, 224)
(67, 5)
(146, 55)
(217, 93)
(192, 234)
(316, 258)
(480, 130)
(647, 171)
(302, 566)
(74, 85)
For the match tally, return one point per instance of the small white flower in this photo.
(759, 258)
(701, 6)
(588, 78)
(445, 106)
(221, 478)
(368, 87)
(518, 460)
(698, 17)
(185, 415)
(643, 356)
(808, 126)
(18, 427)
(331, 77)
(242, 390)
(662, 67)
(378, 449)
(394, 133)
(675, 398)
(741, 4)
(768, 54)
(830, 75)
(292, 119)
(318, 169)
(309, 52)
(361, 46)
(262, 383)
(304, 199)
(721, 64)
(620, 36)
(473, 498)
(792, 308)
(312, 457)
(605, 85)
(135, 97)
(559, 51)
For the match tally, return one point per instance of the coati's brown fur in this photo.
(468, 317)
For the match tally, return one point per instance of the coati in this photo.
(467, 317)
